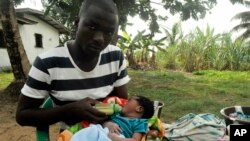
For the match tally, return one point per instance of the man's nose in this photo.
(99, 37)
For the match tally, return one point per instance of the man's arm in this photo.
(29, 112)
(120, 91)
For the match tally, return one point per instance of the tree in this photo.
(18, 58)
(244, 17)
(244, 25)
(173, 38)
(137, 48)
(240, 2)
(66, 10)
(129, 45)
(175, 34)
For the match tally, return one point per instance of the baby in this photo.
(130, 124)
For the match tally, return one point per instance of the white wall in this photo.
(4, 58)
(50, 39)
(49, 33)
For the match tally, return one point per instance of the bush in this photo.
(6, 69)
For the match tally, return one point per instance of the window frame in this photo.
(38, 40)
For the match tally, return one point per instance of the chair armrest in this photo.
(42, 134)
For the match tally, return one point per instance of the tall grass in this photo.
(204, 50)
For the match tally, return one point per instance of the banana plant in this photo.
(129, 45)
(196, 49)
(143, 43)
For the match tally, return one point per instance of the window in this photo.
(1, 40)
(39, 40)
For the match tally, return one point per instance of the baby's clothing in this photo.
(130, 126)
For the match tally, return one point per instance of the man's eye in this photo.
(92, 27)
(110, 33)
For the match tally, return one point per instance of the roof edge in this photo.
(48, 19)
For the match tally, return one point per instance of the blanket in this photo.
(200, 127)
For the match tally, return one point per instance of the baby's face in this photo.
(130, 106)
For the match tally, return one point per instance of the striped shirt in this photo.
(55, 73)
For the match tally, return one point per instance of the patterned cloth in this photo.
(239, 114)
(200, 127)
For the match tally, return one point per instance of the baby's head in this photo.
(138, 107)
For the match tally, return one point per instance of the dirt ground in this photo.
(10, 130)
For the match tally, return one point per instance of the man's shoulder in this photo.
(57, 51)
(110, 48)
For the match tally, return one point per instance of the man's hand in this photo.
(83, 110)
(29, 112)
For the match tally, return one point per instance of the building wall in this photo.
(50, 39)
(4, 58)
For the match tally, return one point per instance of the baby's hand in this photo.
(113, 127)
(113, 136)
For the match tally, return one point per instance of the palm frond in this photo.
(243, 16)
(246, 34)
(241, 26)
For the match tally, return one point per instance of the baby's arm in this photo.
(136, 137)
(113, 127)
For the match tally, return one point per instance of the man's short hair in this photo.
(108, 5)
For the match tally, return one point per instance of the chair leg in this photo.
(42, 134)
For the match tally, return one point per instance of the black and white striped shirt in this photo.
(55, 73)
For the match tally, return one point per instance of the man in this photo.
(77, 73)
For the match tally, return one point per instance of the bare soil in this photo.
(10, 130)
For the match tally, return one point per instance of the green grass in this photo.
(183, 93)
(5, 79)
(200, 92)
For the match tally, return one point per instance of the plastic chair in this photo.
(42, 134)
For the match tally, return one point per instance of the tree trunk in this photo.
(153, 58)
(131, 59)
(142, 55)
(17, 55)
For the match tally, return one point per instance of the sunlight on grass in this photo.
(225, 75)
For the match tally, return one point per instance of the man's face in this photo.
(95, 29)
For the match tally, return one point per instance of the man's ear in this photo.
(77, 19)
